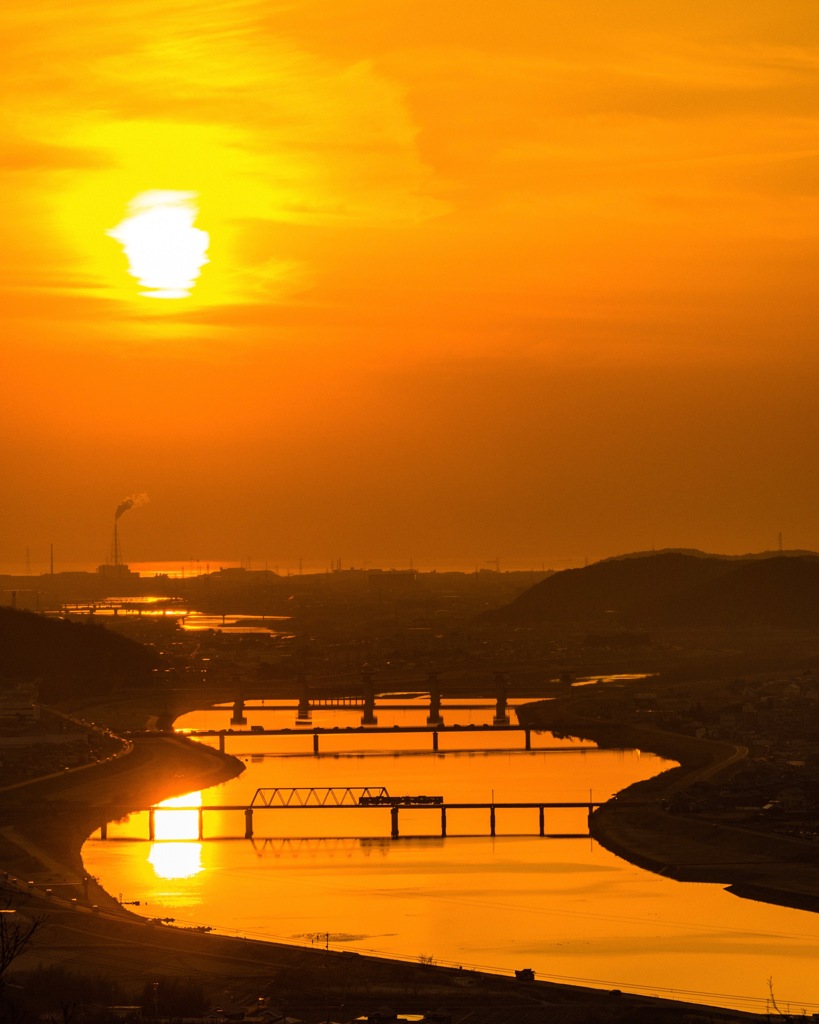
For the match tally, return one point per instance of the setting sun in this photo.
(165, 251)
(585, 234)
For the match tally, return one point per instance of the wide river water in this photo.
(564, 907)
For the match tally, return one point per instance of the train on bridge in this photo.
(385, 800)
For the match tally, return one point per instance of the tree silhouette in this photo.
(16, 933)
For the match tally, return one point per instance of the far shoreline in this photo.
(757, 866)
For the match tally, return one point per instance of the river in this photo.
(564, 907)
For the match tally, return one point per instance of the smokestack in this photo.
(133, 502)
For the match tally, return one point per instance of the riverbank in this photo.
(43, 826)
(639, 827)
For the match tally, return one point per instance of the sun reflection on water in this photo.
(176, 860)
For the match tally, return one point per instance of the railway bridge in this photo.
(369, 799)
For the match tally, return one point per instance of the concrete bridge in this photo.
(171, 606)
(366, 700)
(433, 731)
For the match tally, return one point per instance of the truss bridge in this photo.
(334, 796)
(372, 799)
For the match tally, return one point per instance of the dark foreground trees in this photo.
(16, 934)
(63, 996)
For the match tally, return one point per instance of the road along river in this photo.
(566, 908)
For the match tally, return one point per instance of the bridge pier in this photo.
(249, 823)
(238, 716)
(221, 743)
(394, 815)
(501, 714)
(151, 824)
(443, 822)
(435, 740)
(492, 820)
(368, 718)
(528, 739)
(434, 716)
(303, 716)
(315, 743)
(542, 817)
(104, 830)
(201, 822)
(303, 713)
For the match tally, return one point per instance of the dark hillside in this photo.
(778, 593)
(611, 592)
(67, 659)
(675, 589)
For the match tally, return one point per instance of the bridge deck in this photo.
(448, 805)
(395, 730)
(356, 703)
(441, 810)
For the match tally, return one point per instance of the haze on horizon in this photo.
(534, 283)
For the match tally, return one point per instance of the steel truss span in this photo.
(335, 796)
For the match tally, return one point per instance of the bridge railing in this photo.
(337, 702)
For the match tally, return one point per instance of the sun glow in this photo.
(175, 854)
(178, 825)
(165, 251)
(176, 860)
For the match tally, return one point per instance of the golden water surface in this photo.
(565, 907)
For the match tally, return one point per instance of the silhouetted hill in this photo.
(675, 589)
(69, 660)
(774, 592)
(696, 553)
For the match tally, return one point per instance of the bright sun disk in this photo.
(165, 251)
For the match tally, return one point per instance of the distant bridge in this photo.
(177, 606)
(367, 696)
(366, 730)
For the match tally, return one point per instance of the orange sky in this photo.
(534, 281)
